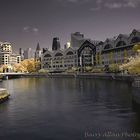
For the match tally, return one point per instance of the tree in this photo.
(27, 65)
(133, 66)
(114, 68)
(6, 68)
(136, 48)
(19, 68)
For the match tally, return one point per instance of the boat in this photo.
(4, 95)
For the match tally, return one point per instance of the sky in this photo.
(24, 23)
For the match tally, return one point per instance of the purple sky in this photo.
(26, 22)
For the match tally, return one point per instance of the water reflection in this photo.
(66, 108)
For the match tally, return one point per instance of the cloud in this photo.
(99, 4)
(115, 4)
(28, 29)
(131, 3)
(35, 30)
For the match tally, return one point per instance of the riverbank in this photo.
(109, 76)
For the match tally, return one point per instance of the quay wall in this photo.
(108, 76)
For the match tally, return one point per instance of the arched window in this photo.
(47, 55)
(59, 54)
(135, 40)
(120, 43)
(69, 53)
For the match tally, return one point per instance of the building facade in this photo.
(92, 53)
(60, 59)
(7, 57)
(21, 52)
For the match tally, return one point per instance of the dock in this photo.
(4, 95)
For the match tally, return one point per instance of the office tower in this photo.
(28, 53)
(76, 39)
(21, 53)
(55, 44)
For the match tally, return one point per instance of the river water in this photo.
(68, 109)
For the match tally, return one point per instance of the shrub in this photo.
(43, 71)
(114, 68)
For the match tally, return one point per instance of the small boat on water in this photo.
(4, 95)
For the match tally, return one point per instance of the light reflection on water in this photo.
(63, 109)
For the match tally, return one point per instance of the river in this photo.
(68, 109)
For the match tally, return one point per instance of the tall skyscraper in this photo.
(55, 44)
(76, 39)
(28, 53)
(21, 52)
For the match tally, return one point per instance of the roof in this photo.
(136, 30)
(125, 35)
(15, 54)
(6, 42)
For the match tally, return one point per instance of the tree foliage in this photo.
(114, 68)
(27, 65)
(136, 48)
(43, 71)
(133, 66)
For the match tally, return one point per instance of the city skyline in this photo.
(24, 23)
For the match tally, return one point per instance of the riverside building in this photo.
(7, 57)
(91, 53)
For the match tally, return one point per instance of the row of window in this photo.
(59, 66)
(115, 61)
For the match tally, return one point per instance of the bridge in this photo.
(11, 75)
